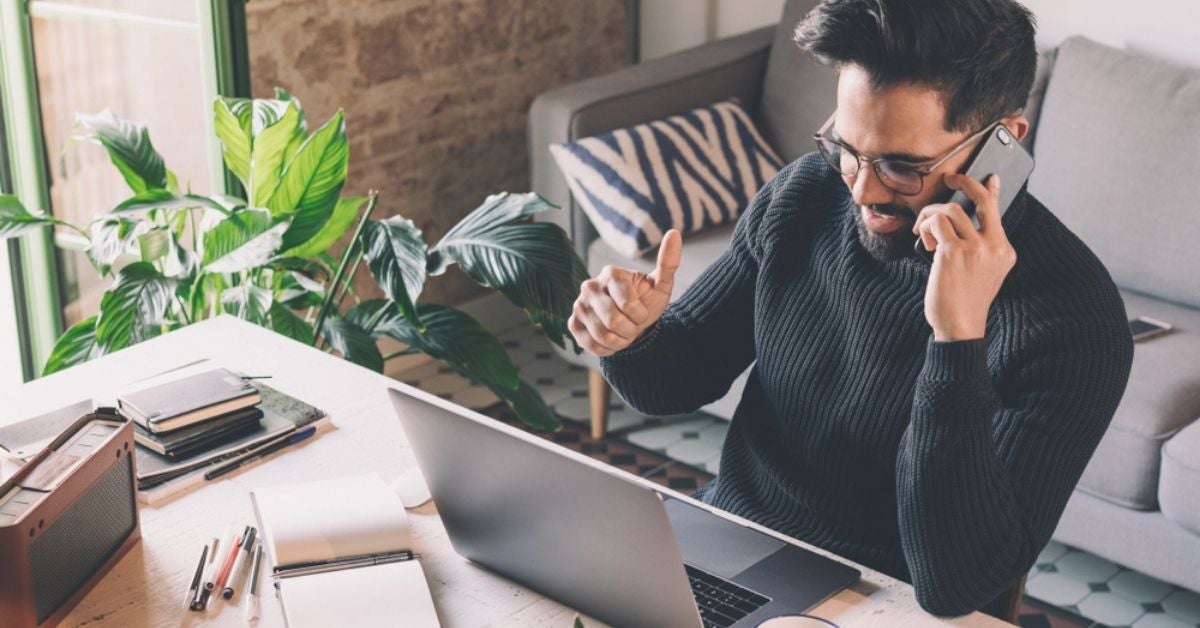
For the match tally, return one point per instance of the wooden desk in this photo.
(146, 587)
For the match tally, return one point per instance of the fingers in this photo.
(670, 252)
(607, 313)
(959, 221)
(942, 231)
(584, 338)
(625, 288)
(986, 198)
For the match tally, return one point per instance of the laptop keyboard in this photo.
(722, 603)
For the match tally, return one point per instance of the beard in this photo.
(886, 247)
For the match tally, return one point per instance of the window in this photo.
(157, 62)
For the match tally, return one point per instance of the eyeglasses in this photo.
(902, 177)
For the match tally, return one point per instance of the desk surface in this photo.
(146, 587)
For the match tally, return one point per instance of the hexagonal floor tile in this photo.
(1110, 609)
(1052, 552)
(1183, 605)
(1139, 587)
(660, 437)
(531, 371)
(715, 433)
(692, 451)
(1086, 567)
(1057, 589)
(1158, 620)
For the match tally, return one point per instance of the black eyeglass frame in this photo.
(924, 169)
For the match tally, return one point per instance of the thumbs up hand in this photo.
(615, 307)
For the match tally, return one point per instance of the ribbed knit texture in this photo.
(945, 464)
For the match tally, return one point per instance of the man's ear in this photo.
(1018, 125)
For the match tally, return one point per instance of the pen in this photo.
(215, 563)
(189, 599)
(252, 599)
(270, 447)
(228, 566)
(237, 576)
(199, 599)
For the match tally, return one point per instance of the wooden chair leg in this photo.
(599, 394)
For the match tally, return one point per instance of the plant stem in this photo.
(337, 277)
(350, 277)
(408, 351)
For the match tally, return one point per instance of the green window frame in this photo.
(29, 268)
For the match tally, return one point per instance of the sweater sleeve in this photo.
(985, 469)
(703, 341)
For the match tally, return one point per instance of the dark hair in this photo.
(979, 54)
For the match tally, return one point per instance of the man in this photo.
(928, 421)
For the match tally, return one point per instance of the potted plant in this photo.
(177, 257)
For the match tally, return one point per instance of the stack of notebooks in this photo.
(186, 422)
(194, 414)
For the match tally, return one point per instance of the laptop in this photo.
(595, 538)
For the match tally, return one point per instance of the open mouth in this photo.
(884, 220)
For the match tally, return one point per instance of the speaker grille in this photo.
(88, 533)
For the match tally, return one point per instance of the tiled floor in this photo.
(1077, 589)
(1107, 593)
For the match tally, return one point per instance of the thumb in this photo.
(670, 251)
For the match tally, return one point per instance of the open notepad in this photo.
(342, 554)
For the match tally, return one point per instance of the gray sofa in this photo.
(1117, 143)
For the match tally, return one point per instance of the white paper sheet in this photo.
(395, 594)
(331, 519)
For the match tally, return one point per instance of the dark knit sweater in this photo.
(945, 464)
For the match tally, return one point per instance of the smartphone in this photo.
(1144, 327)
(998, 153)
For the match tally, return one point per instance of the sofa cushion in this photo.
(1116, 161)
(1163, 396)
(690, 172)
(1179, 487)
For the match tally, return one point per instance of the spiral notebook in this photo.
(342, 554)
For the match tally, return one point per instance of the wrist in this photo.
(954, 334)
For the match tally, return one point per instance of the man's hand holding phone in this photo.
(618, 305)
(969, 266)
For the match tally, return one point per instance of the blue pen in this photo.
(271, 447)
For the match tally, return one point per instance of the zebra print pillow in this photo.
(690, 172)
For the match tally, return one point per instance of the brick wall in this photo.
(435, 91)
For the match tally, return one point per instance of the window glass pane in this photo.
(10, 341)
(148, 75)
(184, 10)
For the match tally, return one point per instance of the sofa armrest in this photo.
(729, 67)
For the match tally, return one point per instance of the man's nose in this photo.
(868, 189)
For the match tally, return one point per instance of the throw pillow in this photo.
(689, 172)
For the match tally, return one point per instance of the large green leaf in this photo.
(339, 222)
(112, 237)
(76, 346)
(154, 244)
(244, 240)
(133, 307)
(15, 220)
(312, 181)
(273, 130)
(129, 147)
(529, 406)
(285, 322)
(235, 138)
(532, 263)
(395, 253)
(352, 342)
(449, 335)
(247, 302)
(164, 199)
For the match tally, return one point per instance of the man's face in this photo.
(905, 122)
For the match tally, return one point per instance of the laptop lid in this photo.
(543, 516)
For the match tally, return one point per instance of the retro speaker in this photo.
(66, 518)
